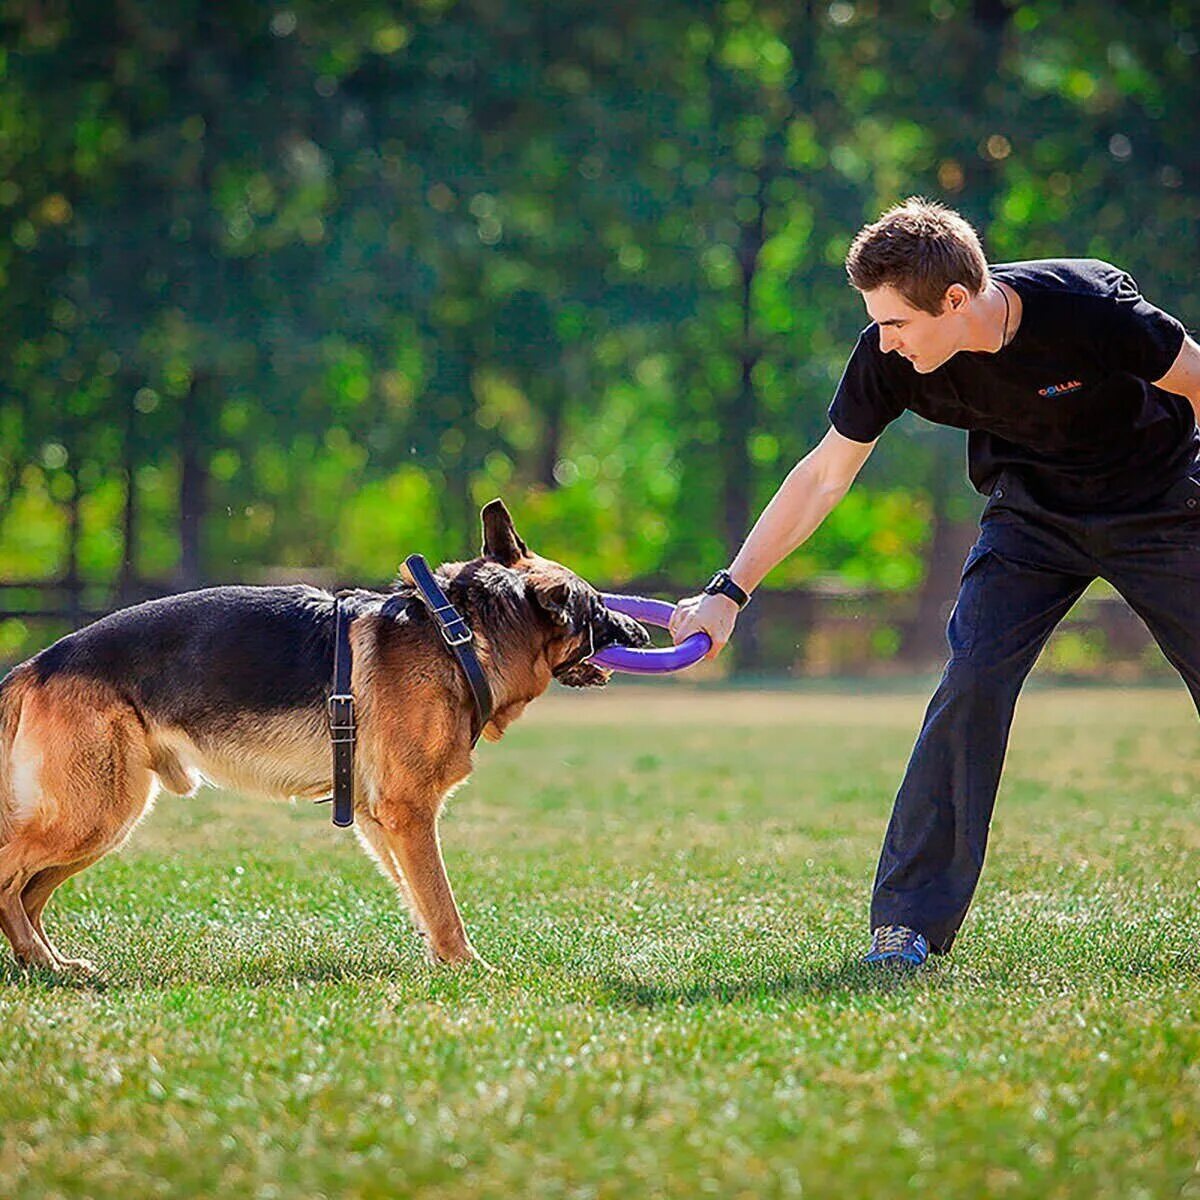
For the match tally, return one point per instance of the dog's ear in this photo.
(500, 538)
(554, 599)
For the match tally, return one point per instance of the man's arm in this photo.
(1184, 376)
(806, 497)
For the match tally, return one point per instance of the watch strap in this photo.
(722, 584)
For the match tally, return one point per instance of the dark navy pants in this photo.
(1026, 570)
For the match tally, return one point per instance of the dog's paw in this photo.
(38, 959)
(460, 960)
(80, 967)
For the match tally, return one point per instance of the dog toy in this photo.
(654, 661)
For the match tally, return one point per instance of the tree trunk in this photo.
(71, 579)
(127, 586)
(550, 450)
(951, 535)
(452, 384)
(738, 424)
(193, 482)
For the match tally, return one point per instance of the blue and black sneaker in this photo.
(897, 944)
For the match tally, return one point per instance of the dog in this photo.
(229, 685)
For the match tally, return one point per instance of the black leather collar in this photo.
(456, 633)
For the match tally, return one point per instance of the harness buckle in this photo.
(340, 709)
(446, 625)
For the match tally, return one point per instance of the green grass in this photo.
(672, 886)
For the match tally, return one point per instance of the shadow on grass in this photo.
(853, 978)
(848, 978)
(1185, 962)
(227, 972)
(1083, 967)
(13, 974)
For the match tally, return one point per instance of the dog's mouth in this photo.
(605, 628)
(623, 630)
(582, 674)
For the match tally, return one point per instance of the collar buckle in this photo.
(448, 625)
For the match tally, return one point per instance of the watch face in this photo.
(722, 584)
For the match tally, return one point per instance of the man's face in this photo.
(925, 340)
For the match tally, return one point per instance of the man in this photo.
(1080, 400)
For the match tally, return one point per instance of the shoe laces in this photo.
(890, 939)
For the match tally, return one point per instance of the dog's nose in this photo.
(630, 632)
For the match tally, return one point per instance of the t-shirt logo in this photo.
(1059, 389)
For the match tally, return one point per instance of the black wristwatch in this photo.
(722, 585)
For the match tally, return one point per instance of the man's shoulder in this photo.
(868, 341)
(869, 355)
(1073, 278)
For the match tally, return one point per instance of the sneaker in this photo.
(897, 944)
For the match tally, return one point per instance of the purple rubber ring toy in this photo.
(654, 661)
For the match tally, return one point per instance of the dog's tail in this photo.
(13, 690)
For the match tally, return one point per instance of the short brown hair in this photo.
(920, 248)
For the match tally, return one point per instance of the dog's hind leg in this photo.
(412, 837)
(28, 946)
(81, 783)
(34, 897)
(18, 792)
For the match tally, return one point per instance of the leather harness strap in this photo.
(457, 635)
(341, 720)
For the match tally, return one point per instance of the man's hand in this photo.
(804, 499)
(714, 615)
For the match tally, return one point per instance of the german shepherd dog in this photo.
(230, 685)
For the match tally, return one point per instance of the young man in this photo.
(1080, 400)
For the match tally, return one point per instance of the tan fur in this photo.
(79, 767)
(85, 782)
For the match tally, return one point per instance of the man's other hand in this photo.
(714, 615)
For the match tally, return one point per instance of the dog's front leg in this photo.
(413, 839)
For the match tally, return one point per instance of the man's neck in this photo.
(995, 318)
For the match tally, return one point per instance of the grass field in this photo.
(672, 885)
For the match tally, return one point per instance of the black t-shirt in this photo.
(1069, 403)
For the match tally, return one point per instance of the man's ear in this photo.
(500, 538)
(956, 296)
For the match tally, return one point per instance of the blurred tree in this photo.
(301, 286)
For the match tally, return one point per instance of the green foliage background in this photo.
(302, 286)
